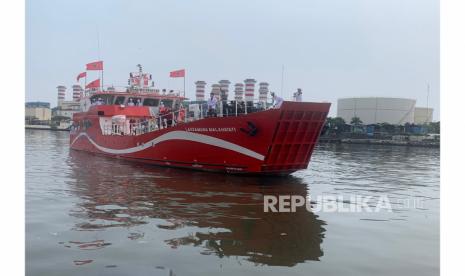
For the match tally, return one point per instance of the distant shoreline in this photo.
(45, 127)
(382, 142)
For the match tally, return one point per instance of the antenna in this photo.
(282, 79)
(98, 54)
(98, 44)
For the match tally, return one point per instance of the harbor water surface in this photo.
(91, 215)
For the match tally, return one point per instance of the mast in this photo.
(98, 56)
(282, 80)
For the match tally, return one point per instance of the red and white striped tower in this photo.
(77, 93)
(249, 89)
(239, 92)
(200, 90)
(224, 85)
(61, 94)
(216, 90)
(263, 92)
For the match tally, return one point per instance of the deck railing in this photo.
(184, 115)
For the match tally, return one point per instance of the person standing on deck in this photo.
(298, 96)
(211, 104)
(224, 102)
(276, 100)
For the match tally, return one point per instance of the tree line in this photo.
(337, 127)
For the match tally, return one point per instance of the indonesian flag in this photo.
(94, 84)
(178, 73)
(97, 65)
(81, 75)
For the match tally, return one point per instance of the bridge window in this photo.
(120, 100)
(106, 99)
(150, 102)
(167, 103)
(132, 101)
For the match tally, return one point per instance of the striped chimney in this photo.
(216, 90)
(263, 92)
(61, 94)
(239, 91)
(224, 85)
(249, 89)
(200, 90)
(77, 93)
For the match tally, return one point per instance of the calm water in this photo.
(92, 215)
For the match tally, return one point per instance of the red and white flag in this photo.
(178, 73)
(81, 75)
(97, 65)
(94, 84)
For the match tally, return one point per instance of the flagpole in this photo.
(282, 80)
(184, 84)
(102, 79)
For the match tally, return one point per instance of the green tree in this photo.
(434, 127)
(335, 125)
(356, 121)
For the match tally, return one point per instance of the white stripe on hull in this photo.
(178, 135)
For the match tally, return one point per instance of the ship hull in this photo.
(275, 141)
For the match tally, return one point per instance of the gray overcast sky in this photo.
(329, 48)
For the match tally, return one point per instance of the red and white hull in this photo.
(275, 141)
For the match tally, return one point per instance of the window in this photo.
(150, 102)
(87, 124)
(133, 100)
(167, 103)
(106, 99)
(120, 100)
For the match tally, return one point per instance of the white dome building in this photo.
(423, 115)
(373, 110)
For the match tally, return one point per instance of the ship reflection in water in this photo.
(91, 215)
(223, 214)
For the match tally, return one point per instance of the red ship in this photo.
(156, 127)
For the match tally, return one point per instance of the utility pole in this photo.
(427, 102)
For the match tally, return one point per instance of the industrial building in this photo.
(374, 110)
(423, 115)
(67, 108)
(39, 111)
